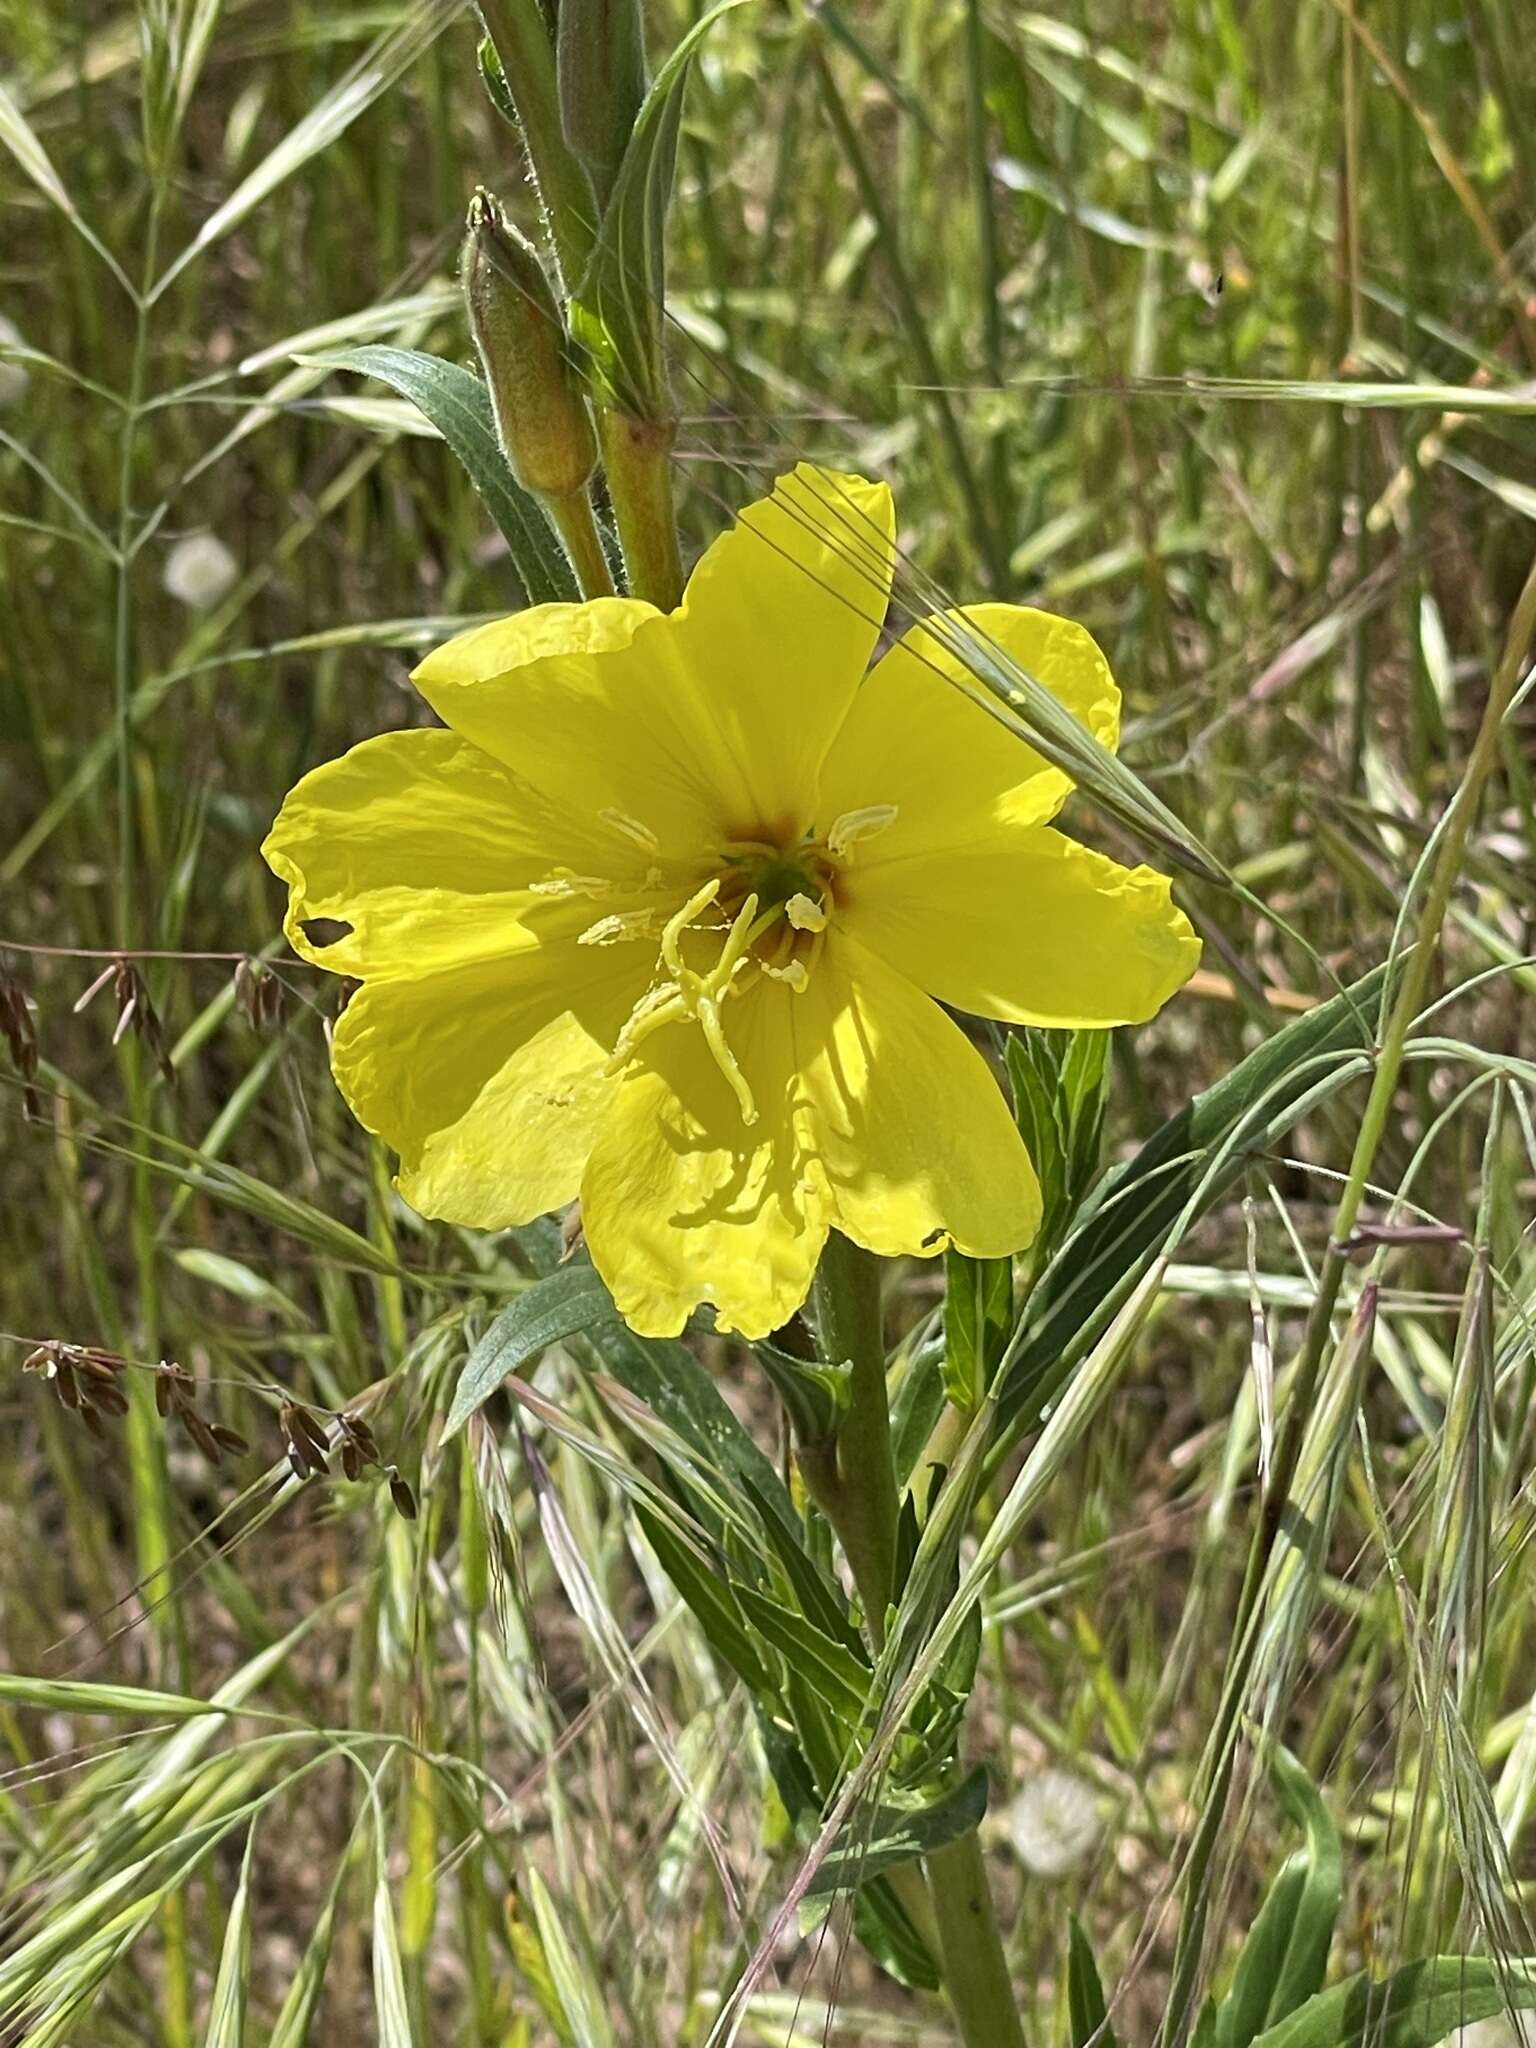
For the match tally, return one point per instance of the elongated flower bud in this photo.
(542, 418)
(600, 72)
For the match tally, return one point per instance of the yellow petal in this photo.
(706, 725)
(913, 740)
(917, 1142)
(590, 704)
(874, 1114)
(1028, 927)
(683, 1203)
(488, 1079)
(421, 843)
(778, 623)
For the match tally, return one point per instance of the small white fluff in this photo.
(14, 376)
(1054, 1823)
(199, 571)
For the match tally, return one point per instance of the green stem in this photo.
(637, 457)
(573, 520)
(975, 1969)
(859, 1479)
(853, 1479)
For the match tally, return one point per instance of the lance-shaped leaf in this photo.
(703, 1588)
(833, 1671)
(814, 1395)
(563, 1303)
(978, 1314)
(1284, 1958)
(1417, 2007)
(617, 312)
(459, 406)
(568, 1301)
(894, 1835)
(1087, 2014)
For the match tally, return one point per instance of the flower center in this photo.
(762, 914)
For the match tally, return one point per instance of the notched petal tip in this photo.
(309, 931)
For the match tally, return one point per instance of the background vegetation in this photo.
(1086, 282)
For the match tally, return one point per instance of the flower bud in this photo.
(600, 76)
(542, 418)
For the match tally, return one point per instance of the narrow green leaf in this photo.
(236, 1278)
(664, 1375)
(1285, 1957)
(373, 75)
(1084, 1077)
(572, 1979)
(1517, 402)
(533, 1965)
(821, 1599)
(616, 312)
(560, 1305)
(1245, 2009)
(1416, 2007)
(894, 1835)
(301, 2004)
(814, 1395)
(1087, 2014)
(978, 1315)
(18, 136)
(885, 1928)
(680, 1393)
(1305, 1961)
(459, 406)
(916, 1409)
(226, 2011)
(830, 1668)
(83, 1696)
(1037, 1107)
(711, 1602)
(390, 2004)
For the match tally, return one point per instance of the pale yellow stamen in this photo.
(561, 882)
(621, 925)
(805, 914)
(854, 826)
(642, 835)
(793, 972)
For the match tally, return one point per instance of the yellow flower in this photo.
(660, 919)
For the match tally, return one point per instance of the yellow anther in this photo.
(805, 914)
(622, 925)
(561, 882)
(793, 971)
(854, 826)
